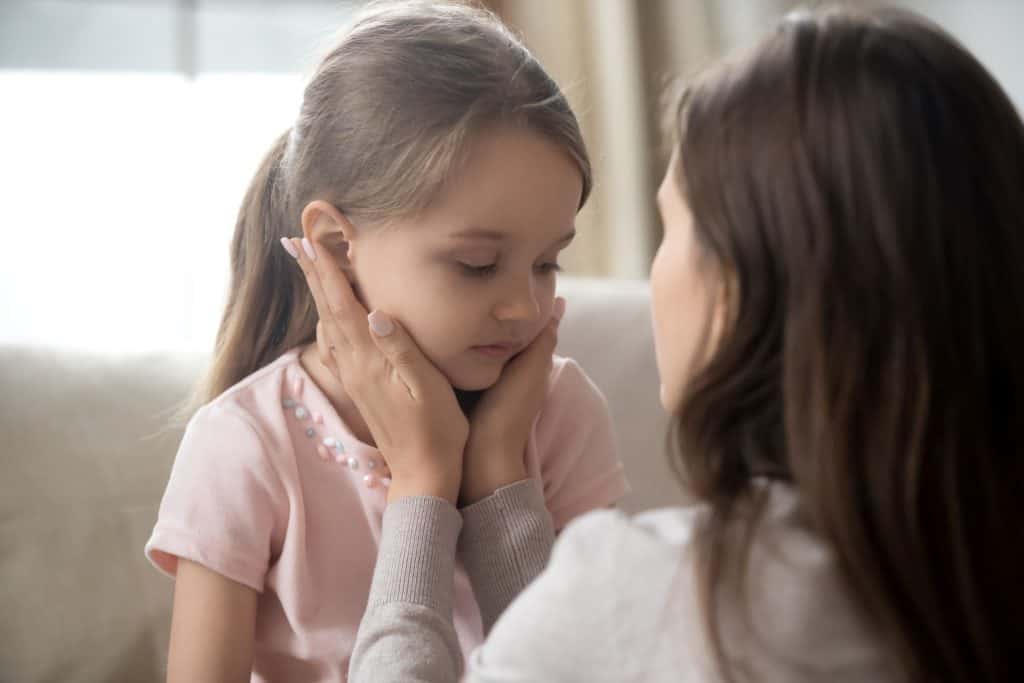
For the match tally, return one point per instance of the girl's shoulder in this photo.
(256, 406)
(568, 379)
(573, 447)
(572, 395)
(270, 386)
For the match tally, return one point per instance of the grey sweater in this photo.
(617, 602)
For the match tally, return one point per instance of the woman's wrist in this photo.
(435, 484)
(432, 472)
(488, 469)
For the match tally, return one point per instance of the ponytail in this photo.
(269, 308)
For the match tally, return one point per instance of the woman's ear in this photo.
(324, 225)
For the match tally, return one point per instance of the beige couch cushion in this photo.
(84, 464)
(86, 453)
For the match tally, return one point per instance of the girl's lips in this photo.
(496, 350)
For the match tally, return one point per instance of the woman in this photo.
(839, 314)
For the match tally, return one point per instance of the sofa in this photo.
(87, 444)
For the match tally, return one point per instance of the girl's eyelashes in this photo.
(491, 268)
(478, 271)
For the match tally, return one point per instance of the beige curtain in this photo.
(614, 59)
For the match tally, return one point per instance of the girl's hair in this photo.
(857, 183)
(385, 119)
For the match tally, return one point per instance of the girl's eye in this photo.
(546, 268)
(478, 271)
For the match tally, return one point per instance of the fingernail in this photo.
(289, 247)
(381, 324)
(310, 252)
(559, 309)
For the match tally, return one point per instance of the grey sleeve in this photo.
(407, 632)
(505, 543)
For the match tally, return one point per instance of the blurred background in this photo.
(129, 130)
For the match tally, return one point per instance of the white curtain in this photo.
(613, 58)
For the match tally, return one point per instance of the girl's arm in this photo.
(212, 627)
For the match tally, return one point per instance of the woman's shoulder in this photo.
(600, 535)
(608, 582)
(628, 557)
(630, 585)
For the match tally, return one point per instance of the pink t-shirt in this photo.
(253, 498)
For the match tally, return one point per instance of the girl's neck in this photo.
(335, 392)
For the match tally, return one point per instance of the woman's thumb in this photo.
(548, 338)
(393, 341)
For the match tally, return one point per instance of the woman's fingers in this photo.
(323, 347)
(328, 327)
(402, 352)
(341, 304)
(541, 348)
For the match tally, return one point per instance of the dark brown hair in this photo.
(859, 179)
(385, 119)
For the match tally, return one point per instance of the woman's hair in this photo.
(385, 119)
(857, 182)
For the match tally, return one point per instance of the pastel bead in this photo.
(310, 432)
(318, 418)
(288, 403)
(338, 447)
(371, 464)
(353, 464)
(323, 452)
(386, 481)
(340, 458)
(371, 481)
(328, 441)
(301, 413)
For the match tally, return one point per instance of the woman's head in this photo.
(849, 197)
(425, 120)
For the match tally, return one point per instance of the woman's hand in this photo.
(409, 406)
(502, 420)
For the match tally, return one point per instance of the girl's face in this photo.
(686, 322)
(472, 278)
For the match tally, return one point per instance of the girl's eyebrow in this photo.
(495, 236)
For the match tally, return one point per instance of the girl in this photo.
(839, 318)
(437, 165)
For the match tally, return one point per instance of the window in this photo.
(129, 132)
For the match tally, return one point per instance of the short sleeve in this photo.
(575, 445)
(223, 501)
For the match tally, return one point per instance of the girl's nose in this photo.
(519, 305)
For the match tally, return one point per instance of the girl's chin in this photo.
(474, 381)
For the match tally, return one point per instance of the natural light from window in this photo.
(120, 193)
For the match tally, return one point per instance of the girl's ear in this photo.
(324, 225)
